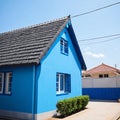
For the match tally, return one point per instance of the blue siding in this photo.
(22, 82)
(102, 93)
(52, 63)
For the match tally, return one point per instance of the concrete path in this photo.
(97, 111)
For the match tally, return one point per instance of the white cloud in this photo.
(94, 55)
(87, 49)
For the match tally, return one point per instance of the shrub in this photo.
(69, 106)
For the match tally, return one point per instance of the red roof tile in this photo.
(102, 69)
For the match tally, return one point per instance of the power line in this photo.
(101, 37)
(101, 41)
(95, 10)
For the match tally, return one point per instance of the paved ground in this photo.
(97, 111)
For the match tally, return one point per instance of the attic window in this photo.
(100, 76)
(106, 75)
(103, 76)
(64, 46)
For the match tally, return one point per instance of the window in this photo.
(63, 83)
(100, 76)
(8, 83)
(106, 75)
(103, 76)
(64, 46)
(1, 82)
(5, 82)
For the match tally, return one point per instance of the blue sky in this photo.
(16, 14)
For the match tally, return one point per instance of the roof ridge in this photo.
(101, 65)
(93, 68)
(109, 66)
(35, 25)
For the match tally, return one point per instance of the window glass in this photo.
(1, 82)
(8, 84)
(57, 83)
(63, 83)
(64, 46)
(106, 75)
(100, 76)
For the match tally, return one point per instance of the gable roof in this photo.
(29, 45)
(103, 68)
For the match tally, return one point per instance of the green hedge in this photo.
(70, 106)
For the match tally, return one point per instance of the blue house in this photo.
(39, 65)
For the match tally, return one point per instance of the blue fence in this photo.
(102, 93)
(102, 88)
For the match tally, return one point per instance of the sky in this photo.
(15, 14)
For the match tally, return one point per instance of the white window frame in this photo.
(2, 83)
(64, 46)
(8, 82)
(59, 83)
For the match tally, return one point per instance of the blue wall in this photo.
(102, 93)
(52, 63)
(22, 82)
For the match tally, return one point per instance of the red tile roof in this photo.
(103, 68)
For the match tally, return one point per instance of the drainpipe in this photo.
(33, 93)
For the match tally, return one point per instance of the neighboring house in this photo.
(39, 65)
(102, 83)
(102, 71)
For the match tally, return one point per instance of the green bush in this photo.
(69, 106)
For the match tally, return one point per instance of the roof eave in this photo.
(54, 38)
(76, 47)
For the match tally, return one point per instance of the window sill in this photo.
(64, 53)
(59, 94)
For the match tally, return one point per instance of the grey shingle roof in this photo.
(28, 45)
